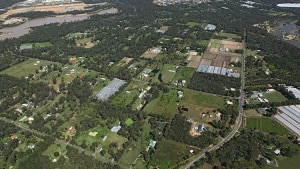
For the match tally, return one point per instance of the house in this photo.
(267, 160)
(190, 120)
(200, 128)
(270, 90)
(277, 152)
(14, 136)
(115, 129)
(180, 94)
(210, 27)
(71, 129)
(152, 143)
(269, 85)
(31, 146)
(72, 60)
(229, 102)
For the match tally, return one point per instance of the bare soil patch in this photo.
(206, 62)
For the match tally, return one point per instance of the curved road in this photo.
(240, 117)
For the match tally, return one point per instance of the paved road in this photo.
(240, 117)
(64, 143)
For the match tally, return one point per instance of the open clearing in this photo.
(53, 8)
(196, 102)
(25, 68)
(169, 153)
(151, 53)
(275, 97)
(38, 45)
(184, 73)
(266, 125)
(128, 94)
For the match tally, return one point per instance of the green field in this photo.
(128, 94)
(184, 73)
(229, 35)
(167, 73)
(25, 68)
(83, 41)
(73, 35)
(215, 43)
(129, 122)
(55, 148)
(165, 104)
(111, 137)
(192, 24)
(203, 99)
(38, 45)
(203, 42)
(266, 125)
(196, 102)
(135, 148)
(275, 97)
(169, 154)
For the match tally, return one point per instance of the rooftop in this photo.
(110, 89)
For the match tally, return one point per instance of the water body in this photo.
(289, 5)
(20, 30)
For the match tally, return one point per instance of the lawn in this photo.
(53, 148)
(266, 125)
(38, 45)
(166, 74)
(203, 42)
(27, 67)
(286, 162)
(184, 73)
(101, 132)
(203, 99)
(198, 103)
(83, 41)
(229, 35)
(275, 97)
(165, 104)
(192, 24)
(169, 154)
(215, 43)
(129, 122)
(135, 148)
(129, 94)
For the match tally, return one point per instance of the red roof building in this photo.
(71, 129)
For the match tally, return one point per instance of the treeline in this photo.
(5, 3)
(32, 14)
(245, 149)
(178, 130)
(217, 84)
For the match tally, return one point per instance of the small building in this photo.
(71, 129)
(277, 152)
(269, 85)
(229, 102)
(116, 129)
(180, 94)
(210, 27)
(200, 128)
(31, 146)
(14, 136)
(72, 60)
(152, 143)
(190, 120)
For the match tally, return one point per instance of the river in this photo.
(20, 30)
